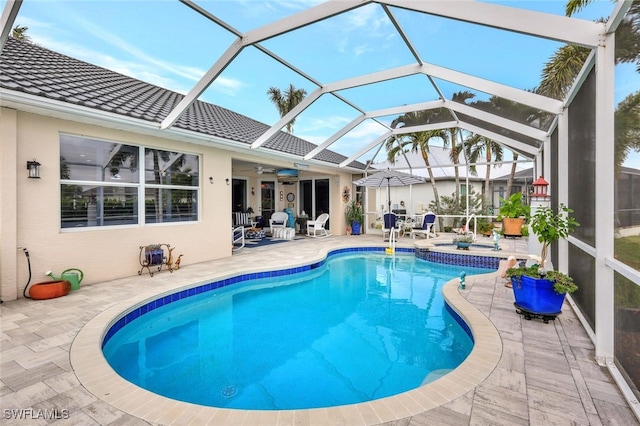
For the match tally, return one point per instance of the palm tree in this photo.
(286, 101)
(477, 145)
(627, 127)
(415, 142)
(563, 67)
(561, 70)
(456, 147)
(19, 32)
(559, 73)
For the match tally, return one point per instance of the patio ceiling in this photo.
(423, 80)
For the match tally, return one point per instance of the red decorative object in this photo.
(49, 290)
(540, 188)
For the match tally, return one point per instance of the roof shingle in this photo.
(32, 69)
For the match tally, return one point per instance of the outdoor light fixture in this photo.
(227, 180)
(211, 179)
(253, 191)
(34, 169)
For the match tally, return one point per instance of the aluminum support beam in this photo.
(302, 19)
(361, 152)
(217, 68)
(304, 104)
(505, 123)
(9, 14)
(539, 24)
(605, 201)
(516, 95)
(346, 129)
(523, 148)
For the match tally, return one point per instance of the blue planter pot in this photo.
(537, 296)
(355, 228)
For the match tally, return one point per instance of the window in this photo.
(102, 183)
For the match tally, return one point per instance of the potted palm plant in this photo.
(355, 216)
(538, 291)
(513, 213)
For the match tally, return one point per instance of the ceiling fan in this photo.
(260, 170)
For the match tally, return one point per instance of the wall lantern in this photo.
(540, 188)
(34, 169)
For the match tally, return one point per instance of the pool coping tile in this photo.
(97, 376)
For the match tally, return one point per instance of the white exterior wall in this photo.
(415, 197)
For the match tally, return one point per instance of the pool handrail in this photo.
(475, 225)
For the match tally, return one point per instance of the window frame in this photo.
(141, 187)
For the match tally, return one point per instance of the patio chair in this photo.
(390, 225)
(315, 228)
(237, 238)
(426, 227)
(278, 220)
(241, 219)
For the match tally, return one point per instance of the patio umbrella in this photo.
(389, 178)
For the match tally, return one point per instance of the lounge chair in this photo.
(390, 225)
(278, 220)
(316, 228)
(426, 227)
(237, 237)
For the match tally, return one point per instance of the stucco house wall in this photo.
(102, 253)
(30, 212)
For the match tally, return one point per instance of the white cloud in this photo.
(332, 123)
(169, 75)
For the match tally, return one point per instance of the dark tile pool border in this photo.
(203, 288)
(472, 260)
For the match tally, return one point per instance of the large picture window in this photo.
(102, 183)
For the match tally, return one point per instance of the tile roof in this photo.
(32, 69)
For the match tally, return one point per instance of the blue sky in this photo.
(168, 44)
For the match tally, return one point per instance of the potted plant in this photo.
(538, 291)
(485, 227)
(463, 242)
(355, 216)
(513, 213)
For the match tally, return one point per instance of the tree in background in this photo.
(398, 145)
(286, 101)
(476, 146)
(19, 32)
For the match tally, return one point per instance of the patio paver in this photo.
(545, 374)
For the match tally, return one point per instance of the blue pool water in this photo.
(360, 327)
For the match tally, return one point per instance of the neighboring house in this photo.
(111, 180)
(417, 198)
(522, 181)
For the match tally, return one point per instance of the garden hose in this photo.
(26, 253)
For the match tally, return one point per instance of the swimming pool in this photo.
(392, 314)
